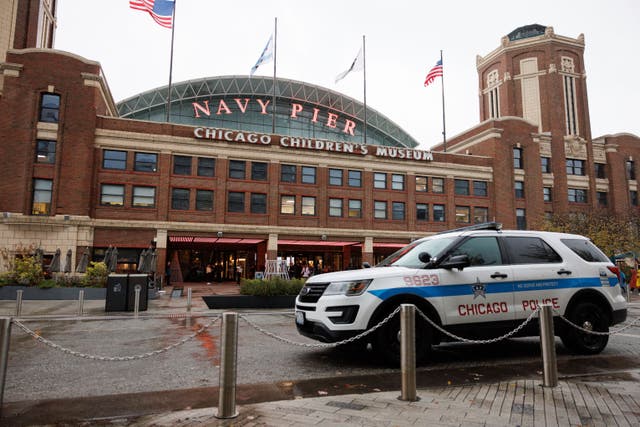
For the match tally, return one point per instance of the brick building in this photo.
(226, 183)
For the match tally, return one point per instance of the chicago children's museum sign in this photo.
(331, 120)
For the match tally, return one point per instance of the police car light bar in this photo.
(497, 226)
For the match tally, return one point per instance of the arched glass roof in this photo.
(240, 102)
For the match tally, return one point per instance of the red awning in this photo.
(314, 243)
(220, 240)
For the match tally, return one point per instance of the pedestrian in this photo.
(306, 271)
(238, 274)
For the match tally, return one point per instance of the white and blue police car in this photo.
(476, 282)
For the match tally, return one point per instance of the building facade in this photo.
(225, 185)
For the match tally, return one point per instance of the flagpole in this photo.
(173, 27)
(364, 69)
(444, 129)
(275, 57)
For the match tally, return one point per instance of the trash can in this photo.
(137, 281)
(117, 289)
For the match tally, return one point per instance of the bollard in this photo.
(408, 352)
(189, 300)
(136, 302)
(18, 302)
(81, 302)
(548, 344)
(5, 339)
(228, 366)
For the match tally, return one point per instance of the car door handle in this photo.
(498, 275)
(563, 271)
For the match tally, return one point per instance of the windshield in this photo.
(408, 256)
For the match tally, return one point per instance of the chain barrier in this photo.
(320, 345)
(112, 358)
(614, 332)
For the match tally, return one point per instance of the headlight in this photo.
(349, 288)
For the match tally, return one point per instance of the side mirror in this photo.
(424, 257)
(456, 261)
(366, 265)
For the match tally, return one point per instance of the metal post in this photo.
(408, 351)
(81, 302)
(136, 302)
(18, 302)
(548, 344)
(228, 366)
(5, 339)
(189, 300)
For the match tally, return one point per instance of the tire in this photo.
(588, 316)
(386, 342)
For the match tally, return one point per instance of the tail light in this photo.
(615, 270)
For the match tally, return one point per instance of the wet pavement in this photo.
(591, 391)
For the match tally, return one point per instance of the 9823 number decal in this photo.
(421, 280)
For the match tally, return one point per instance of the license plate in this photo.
(300, 317)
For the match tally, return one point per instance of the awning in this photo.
(314, 243)
(386, 245)
(220, 240)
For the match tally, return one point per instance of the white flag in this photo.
(265, 57)
(356, 65)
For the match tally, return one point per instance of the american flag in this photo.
(160, 10)
(436, 71)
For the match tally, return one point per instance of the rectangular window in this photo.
(112, 195)
(437, 184)
(237, 169)
(575, 167)
(633, 197)
(521, 219)
(577, 195)
(438, 213)
(180, 198)
(517, 158)
(144, 197)
(335, 176)
(355, 178)
(546, 194)
(463, 214)
(631, 169)
(480, 215)
(380, 209)
(50, 108)
(480, 188)
(335, 207)
(206, 166)
(235, 202)
(308, 175)
(258, 203)
(112, 159)
(422, 212)
(599, 170)
(42, 193)
(602, 198)
(259, 171)
(204, 200)
(546, 164)
(182, 165)
(145, 162)
(288, 173)
(422, 183)
(288, 205)
(308, 205)
(45, 151)
(397, 211)
(519, 189)
(462, 187)
(570, 104)
(397, 182)
(355, 208)
(379, 180)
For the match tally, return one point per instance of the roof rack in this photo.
(497, 226)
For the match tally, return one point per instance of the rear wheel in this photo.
(588, 316)
(387, 339)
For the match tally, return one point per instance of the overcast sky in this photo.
(319, 39)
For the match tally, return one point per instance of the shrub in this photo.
(271, 287)
(69, 281)
(27, 271)
(47, 284)
(96, 275)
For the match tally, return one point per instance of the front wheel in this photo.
(588, 316)
(387, 340)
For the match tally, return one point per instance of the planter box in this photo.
(35, 293)
(249, 301)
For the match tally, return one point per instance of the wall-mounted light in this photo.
(323, 237)
(219, 234)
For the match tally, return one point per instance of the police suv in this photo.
(477, 282)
